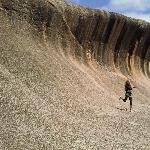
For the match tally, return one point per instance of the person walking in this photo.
(128, 93)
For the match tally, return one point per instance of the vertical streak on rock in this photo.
(147, 63)
(101, 27)
(106, 37)
(144, 50)
(138, 51)
(124, 50)
(113, 41)
(118, 45)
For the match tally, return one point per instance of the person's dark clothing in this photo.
(128, 90)
(128, 93)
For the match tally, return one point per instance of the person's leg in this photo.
(126, 97)
(130, 98)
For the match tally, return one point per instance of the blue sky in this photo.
(139, 9)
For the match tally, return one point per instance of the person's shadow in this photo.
(122, 109)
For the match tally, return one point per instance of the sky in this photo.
(139, 9)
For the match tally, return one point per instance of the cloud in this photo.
(139, 5)
(142, 16)
(139, 9)
(74, 1)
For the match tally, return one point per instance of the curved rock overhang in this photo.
(110, 39)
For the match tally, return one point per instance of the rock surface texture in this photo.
(62, 71)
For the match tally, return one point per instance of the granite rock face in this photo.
(109, 38)
(62, 70)
(112, 39)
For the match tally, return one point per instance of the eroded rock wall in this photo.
(54, 90)
(112, 39)
(108, 38)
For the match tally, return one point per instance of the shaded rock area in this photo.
(112, 39)
(62, 71)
